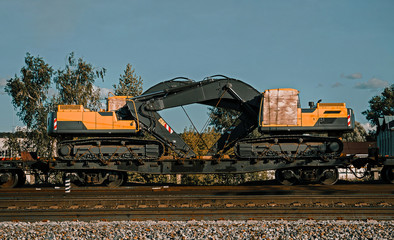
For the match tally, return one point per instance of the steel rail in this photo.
(293, 213)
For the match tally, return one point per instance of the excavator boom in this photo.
(217, 91)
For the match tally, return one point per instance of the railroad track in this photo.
(347, 213)
(213, 203)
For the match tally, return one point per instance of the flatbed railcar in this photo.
(301, 144)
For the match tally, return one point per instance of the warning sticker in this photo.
(162, 122)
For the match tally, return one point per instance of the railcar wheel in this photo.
(286, 177)
(75, 180)
(387, 174)
(328, 176)
(116, 179)
(21, 179)
(9, 179)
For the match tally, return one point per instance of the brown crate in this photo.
(280, 107)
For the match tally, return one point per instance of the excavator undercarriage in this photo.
(110, 149)
(289, 148)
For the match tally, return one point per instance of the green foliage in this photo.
(30, 96)
(75, 83)
(29, 93)
(14, 145)
(200, 144)
(199, 179)
(17, 134)
(380, 105)
(129, 83)
(156, 179)
(222, 118)
(358, 135)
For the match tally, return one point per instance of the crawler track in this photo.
(290, 148)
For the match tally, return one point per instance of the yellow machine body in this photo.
(77, 120)
(280, 111)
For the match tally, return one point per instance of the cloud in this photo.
(373, 83)
(337, 84)
(3, 82)
(368, 127)
(352, 76)
(103, 95)
(103, 92)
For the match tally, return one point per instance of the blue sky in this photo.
(337, 51)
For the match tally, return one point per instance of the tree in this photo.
(358, 135)
(200, 144)
(75, 83)
(29, 93)
(380, 105)
(30, 96)
(129, 83)
(221, 118)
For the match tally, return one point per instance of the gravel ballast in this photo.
(280, 229)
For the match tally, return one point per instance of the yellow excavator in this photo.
(299, 143)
